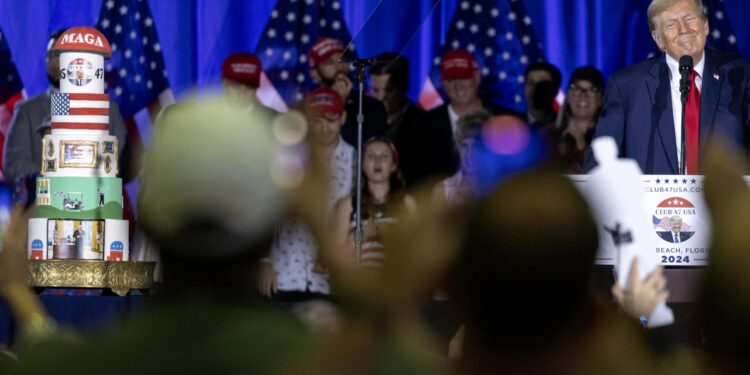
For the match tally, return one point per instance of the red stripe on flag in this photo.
(79, 96)
(11, 103)
(79, 125)
(89, 111)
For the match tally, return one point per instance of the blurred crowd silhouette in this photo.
(477, 253)
(521, 300)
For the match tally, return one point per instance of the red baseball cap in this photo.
(324, 102)
(242, 68)
(457, 64)
(83, 39)
(323, 49)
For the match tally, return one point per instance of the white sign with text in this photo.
(676, 214)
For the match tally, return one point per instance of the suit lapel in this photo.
(46, 107)
(709, 96)
(661, 116)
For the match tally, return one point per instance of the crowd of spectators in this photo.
(461, 266)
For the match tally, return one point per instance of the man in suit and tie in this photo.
(643, 108)
(676, 235)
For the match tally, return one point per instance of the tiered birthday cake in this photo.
(78, 196)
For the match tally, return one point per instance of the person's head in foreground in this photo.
(724, 300)
(208, 199)
(523, 273)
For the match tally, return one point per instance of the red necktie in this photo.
(692, 120)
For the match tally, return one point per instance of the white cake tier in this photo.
(81, 72)
(79, 153)
(78, 239)
(89, 133)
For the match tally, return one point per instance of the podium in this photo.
(681, 229)
(678, 215)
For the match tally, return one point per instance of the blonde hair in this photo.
(658, 6)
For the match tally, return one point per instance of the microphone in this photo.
(686, 69)
(359, 62)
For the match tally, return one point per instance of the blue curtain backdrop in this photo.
(197, 34)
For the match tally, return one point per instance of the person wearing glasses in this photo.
(577, 119)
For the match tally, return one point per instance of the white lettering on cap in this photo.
(244, 68)
(82, 38)
(326, 46)
(456, 63)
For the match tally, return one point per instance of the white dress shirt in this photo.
(294, 251)
(453, 116)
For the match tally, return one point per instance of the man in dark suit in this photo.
(642, 110)
(22, 154)
(460, 78)
(676, 235)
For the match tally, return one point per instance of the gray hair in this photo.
(658, 6)
(470, 124)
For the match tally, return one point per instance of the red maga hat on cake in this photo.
(323, 49)
(83, 39)
(324, 102)
(458, 64)
(244, 68)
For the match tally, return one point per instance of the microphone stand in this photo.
(685, 68)
(683, 151)
(359, 67)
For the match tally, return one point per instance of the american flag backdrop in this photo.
(293, 27)
(500, 36)
(11, 90)
(136, 76)
(721, 36)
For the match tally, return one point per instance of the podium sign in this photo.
(677, 213)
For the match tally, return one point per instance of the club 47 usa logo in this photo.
(674, 220)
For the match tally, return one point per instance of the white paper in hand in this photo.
(616, 201)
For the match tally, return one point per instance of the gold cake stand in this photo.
(120, 277)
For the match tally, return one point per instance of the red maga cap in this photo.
(457, 64)
(323, 49)
(324, 102)
(244, 68)
(83, 39)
